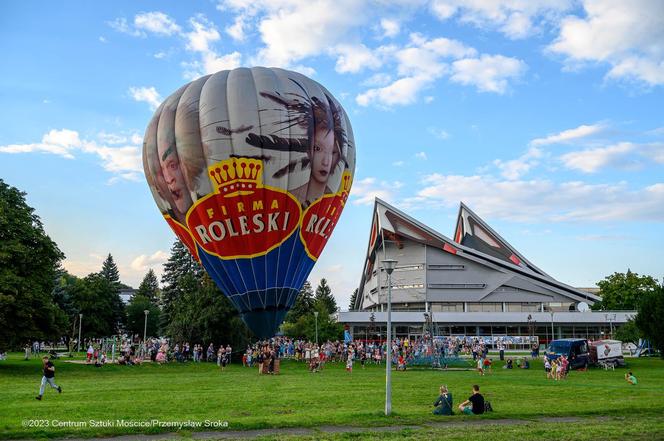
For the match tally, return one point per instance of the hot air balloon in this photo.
(251, 168)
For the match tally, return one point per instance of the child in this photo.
(487, 365)
(349, 363)
(49, 377)
(480, 366)
(547, 367)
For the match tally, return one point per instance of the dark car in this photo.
(575, 349)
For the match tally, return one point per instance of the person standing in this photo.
(49, 377)
(501, 348)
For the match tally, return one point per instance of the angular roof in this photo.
(473, 232)
(476, 241)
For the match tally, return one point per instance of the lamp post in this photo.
(80, 319)
(610, 318)
(389, 265)
(553, 333)
(316, 314)
(145, 327)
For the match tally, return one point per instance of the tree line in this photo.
(40, 300)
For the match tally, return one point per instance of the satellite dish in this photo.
(583, 307)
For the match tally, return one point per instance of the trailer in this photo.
(607, 353)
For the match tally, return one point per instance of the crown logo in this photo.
(236, 175)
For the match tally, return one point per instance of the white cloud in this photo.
(514, 18)
(123, 162)
(102, 39)
(489, 73)
(401, 92)
(354, 58)
(144, 262)
(569, 135)
(398, 163)
(419, 64)
(121, 25)
(438, 133)
(156, 22)
(390, 27)
(628, 36)
(421, 155)
(516, 168)
(111, 138)
(537, 200)
(591, 160)
(237, 29)
(146, 94)
(364, 191)
(623, 155)
(200, 41)
(295, 29)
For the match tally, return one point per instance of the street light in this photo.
(145, 327)
(553, 333)
(389, 265)
(610, 318)
(316, 314)
(80, 319)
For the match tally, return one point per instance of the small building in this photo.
(126, 295)
(476, 285)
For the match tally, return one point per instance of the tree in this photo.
(203, 314)
(180, 264)
(95, 297)
(305, 326)
(28, 263)
(304, 303)
(136, 316)
(623, 291)
(628, 332)
(649, 318)
(149, 287)
(324, 298)
(109, 270)
(353, 299)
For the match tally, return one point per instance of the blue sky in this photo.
(545, 117)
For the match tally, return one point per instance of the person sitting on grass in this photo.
(444, 402)
(630, 378)
(508, 364)
(525, 364)
(474, 405)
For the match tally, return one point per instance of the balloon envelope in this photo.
(252, 168)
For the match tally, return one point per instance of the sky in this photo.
(545, 117)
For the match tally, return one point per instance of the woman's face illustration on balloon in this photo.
(324, 155)
(170, 168)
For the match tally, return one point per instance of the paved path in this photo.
(250, 434)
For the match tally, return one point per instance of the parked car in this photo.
(575, 349)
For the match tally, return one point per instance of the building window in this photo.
(409, 268)
(523, 307)
(446, 267)
(406, 286)
(485, 307)
(456, 285)
(408, 307)
(447, 307)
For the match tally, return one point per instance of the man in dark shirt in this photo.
(474, 405)
(49, 377)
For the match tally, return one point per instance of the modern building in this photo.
(476, 284)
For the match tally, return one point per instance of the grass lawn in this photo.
(297, 398)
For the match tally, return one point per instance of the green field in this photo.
(607, 406)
